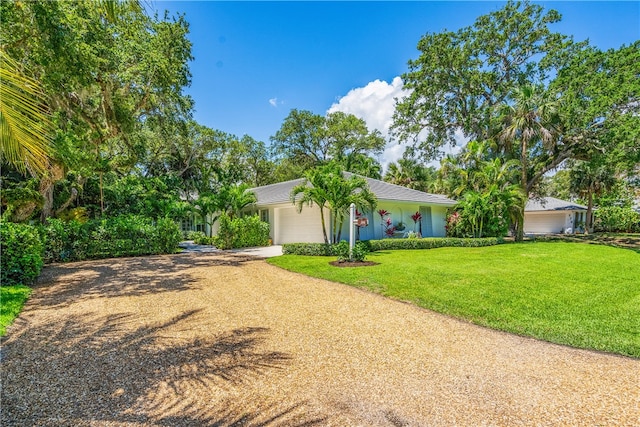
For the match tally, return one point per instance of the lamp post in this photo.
(352, 229)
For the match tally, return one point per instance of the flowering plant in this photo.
(417, 217)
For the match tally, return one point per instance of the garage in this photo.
(294, 227)
(544, 222)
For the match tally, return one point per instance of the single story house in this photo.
(549, 215)
(290, 226)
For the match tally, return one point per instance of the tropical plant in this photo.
(530, 122)
(25, 126)
(589, 179)
(329, 188)
(410, 173)
(235, 198)
(417, 217)
(208, 207)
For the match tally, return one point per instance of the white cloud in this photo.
(375, 104)
(273, 102)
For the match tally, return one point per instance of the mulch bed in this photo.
(353, 263)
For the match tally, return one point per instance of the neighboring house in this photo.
(549, 215)
(290, 226)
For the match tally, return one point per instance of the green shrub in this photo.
(308, 249)
(65, 241)
(431, 243)
(617, 219)
(194, 235)
(243, 232)
(342, 251)
(360, 251)
(106, 238)
(167, 235)
(203, 239)
(22, 254)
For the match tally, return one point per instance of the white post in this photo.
(352, 230)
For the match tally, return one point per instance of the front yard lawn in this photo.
(12, 298)
(586, 296)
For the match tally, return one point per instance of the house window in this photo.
(187, 225)
(264, 215)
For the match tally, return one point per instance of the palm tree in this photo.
(328, 188)
(312, 191)
(590, 179)
(236, 198)
(353, 189)
(409, 173)
(528, 120)
(25, 128)
(365, 165)
(207, 205)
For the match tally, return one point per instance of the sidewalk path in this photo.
(262, 252)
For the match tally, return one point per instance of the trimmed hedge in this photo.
(322, 249)
(22, 254)
(109, 238)
(309, 249)
(432, 243)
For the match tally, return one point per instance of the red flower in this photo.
(416, 217)
(388, 222)
(383, 213)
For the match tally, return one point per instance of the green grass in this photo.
(585, 296)
(12, 298)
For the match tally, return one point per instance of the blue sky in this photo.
(255, 61)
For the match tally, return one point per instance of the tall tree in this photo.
(311, 140)
(530, 126)
(106, 79)
(461, 77)
(491, 81)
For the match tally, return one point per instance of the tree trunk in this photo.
(101, 197)
(523, 184)
(46, 190)
(588, 223)
(324, 227)
(54, 174)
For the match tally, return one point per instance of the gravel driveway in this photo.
(228, 340)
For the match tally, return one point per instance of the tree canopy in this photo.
(310, 140)
(536, 95)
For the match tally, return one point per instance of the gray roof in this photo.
(552, 204)
(280, 193)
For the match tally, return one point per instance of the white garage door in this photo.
(303, 227)
(543, 223)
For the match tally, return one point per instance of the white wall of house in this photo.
(290, 226)
(547, 222)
